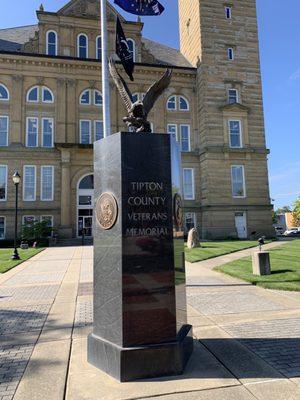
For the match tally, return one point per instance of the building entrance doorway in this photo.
(85, 206)
(241, 225)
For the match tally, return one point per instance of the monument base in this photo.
(127, 364)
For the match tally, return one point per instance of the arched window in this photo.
(98, 47)
(82, 46)
(40, 94)
(4, 93)
(87, 182)
(33, 95)
(51, 43)
(183, 104)
(98, 100)
(47, 95)
(131, 45)
(171, 103)
(85, 97)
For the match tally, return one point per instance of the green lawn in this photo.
(217, 248)
(5, 258)
(285, 266)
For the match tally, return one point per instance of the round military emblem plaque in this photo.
(178, 213)
(106, 211)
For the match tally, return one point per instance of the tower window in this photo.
(230, 53)
(233, 96)
(51, 43)
(82, 46)
(228, 12)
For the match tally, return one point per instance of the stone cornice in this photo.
(226, 149)
(234, 107)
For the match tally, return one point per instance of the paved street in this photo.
(247, 339)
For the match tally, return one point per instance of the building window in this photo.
(47, 183)
(188, 184)
(82, 46)
(37, 94)
(171, 103)
(85, 132)
(47, 132)
(172, 130)
(4, 130)
(4, 93)
(233, 96)
(98, 48)
(3, 182)
(190, 221)
(32, 132)
(235, 134)
(183, 104)
(131, 46)
(2, 228)
(98, 100)
(98, 129)
(238, 181)
(48, 219)
(29, 183)
(51, 43)
(85, 97)
(185, 138)
(29, 220)
(230, 53)
(47, 95)
(228, 12)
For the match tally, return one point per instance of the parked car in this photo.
(279, 230)
(292, 232)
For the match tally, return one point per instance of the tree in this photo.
(283, 210)
(296, 212)
(36, 231)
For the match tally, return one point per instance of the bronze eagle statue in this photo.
(138, 111)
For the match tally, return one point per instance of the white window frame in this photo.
(176, 130)
(42, 93)
(4, 232)
(94, 126)
(133, 47)
(244, 182)
(193, 217)
(187, 102)
(24, 168)
(87, 45)
(37, 133)
(8, 94)
(241, 133)
(7, 134)
(192, 198)
(38, 94)
(52, 183)
(90, 130)
(98, 56)
(180, 137)
(6, 174)
(36, 218)
(42, 129)
(228, 12)
(47, 41)
(230, 53)
(176, 105)
(90, 97)
(95, 91)
(236, 92)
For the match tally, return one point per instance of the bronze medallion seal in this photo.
(106, 211)
(178, 212)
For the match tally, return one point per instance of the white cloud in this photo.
(295, 75)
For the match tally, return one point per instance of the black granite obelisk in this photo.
(140, 328)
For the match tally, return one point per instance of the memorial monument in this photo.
(140, 326)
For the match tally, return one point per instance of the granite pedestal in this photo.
(140, 328)
(261, 263)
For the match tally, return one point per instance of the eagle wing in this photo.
(121, 85)
(156, 90)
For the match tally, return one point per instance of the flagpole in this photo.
(105, 72)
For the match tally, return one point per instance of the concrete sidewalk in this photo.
(247, 342)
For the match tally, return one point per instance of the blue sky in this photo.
(279, 31)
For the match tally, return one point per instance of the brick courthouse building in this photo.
(51, 112)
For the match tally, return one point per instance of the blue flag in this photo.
(141, 7)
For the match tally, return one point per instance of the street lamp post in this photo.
(16, 180)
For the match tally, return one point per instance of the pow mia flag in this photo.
(141, 7)
(123, 51)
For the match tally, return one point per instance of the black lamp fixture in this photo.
(16, 180)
